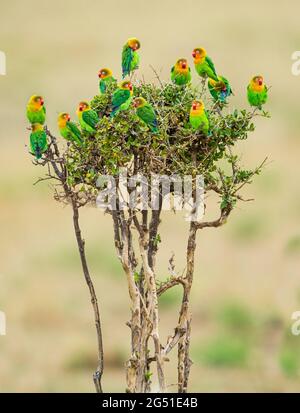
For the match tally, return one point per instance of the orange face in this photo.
(134, 44)
(103, 73)
(127, 85)
(258, 80)
(83, 106)
(63, 119)
(66, 117)
(182, 63)
(137, 102)
(38, 101)
(198, 53)
(196, 105)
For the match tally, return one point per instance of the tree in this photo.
(125, 143)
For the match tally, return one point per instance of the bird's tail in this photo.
(114, 112)
(154, 129)
(38, 152)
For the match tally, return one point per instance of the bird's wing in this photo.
(148, 115)
(74, 130)
(211, 65)
(135, 60)
(102, 86)
(90, 117)
(127, 56)
(172, 69)
(33, 140)
(119, 97)
(38, 142)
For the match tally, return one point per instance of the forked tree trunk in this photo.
(144, 292)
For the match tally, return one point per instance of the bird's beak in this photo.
(260, 82)
(194, 54)
(69, 118)
(100, 75)
(183, 65)
(194, 106)
(135, 104)
(42, 102)
(130, 87)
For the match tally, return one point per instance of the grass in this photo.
(289, 356)
(81, 359)
(249, 228)
(289, 362)
(171, 298)
(235, 316)
(293, 245)
(223, 351)
(66, 258)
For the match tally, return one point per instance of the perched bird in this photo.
(203, 64)
(122, 98)
(219, 90)
(198, 117)
(146, 113)
(181, 73)
(88, 118)
(130, 57)
(38, 140)
(68, 129)
(106, 78)
(35, 110)
(257, 92)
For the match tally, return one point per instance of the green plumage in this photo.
(120, 101)
(130, 60)
(147, 114)
(206, 69)
(180, 78)
(257, 98)
(200, 122)
(104, 83)
(36, 116)
(38, 143)
(89, 120)
(71, 133)
(219, 90)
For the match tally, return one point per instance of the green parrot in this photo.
(130, 57)
(122, 98)
(68, 129)
(36, 112)
(146, 113)
(106, 78)
(198, 117)
(181, 73)
(257, 92)
(38, 140)
(88, 118)
(219, 90)
(203, 64)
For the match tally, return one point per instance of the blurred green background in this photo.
(247, 273)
